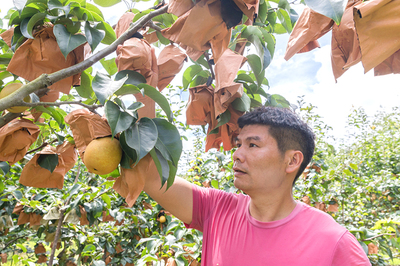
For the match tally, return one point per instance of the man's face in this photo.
(258, 164)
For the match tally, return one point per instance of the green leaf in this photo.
(5, 59)
(189, 74)
(156, 95)
(106, 199)
(28, 24)
(284, 4)
(22, 247)
(162, 39)
(222, 120)
(134, 77)
(66, 41)
(17, 194)
(128, 151)
(142, 136)
(56, 115)
(104, 87)
(110, 36)
(19, 4)
(85, 89)
(93, 36)
(333, 9)
(94, 9)
(109, 65)
(5, 167)
(17, 39)
(48, 161)
(255, 63)
(244, 77)
(117, 119)
(169, 141)
(106, 3)
(277, 101)
(242, 104)
(161, 164)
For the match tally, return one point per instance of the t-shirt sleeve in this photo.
(349, 252)
(204, 202)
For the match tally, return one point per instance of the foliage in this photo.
(92, 223)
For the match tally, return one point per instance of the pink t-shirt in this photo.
(307, 237)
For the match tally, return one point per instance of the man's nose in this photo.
(237, 155)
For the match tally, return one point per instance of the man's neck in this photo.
(268, 208)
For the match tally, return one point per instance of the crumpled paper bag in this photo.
(389, 66)
(226, 91)
(225, 96)
(15, 139)
(170, 62)
(200, 107)
(31, 218)
(377, 24)
(7, 36)
(131, 182)
(34, 175)
(309, 27)
(138, 55)
(248, 7)
(52, 214)
(226, 134)
(83, 220)
(180, 7)
(72, 217)
(86, 126)
(201, 111)
(123, 23)
(43, 55)
(345, 46)
(200, 25)
(39, 248)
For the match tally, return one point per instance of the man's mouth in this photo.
(238, 170)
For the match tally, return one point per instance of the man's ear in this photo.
(295, 159)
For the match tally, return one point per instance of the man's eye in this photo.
(238, 145)
(252, 145)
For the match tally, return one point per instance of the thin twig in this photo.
(368, 239)
(151, 24)
(60, 222)
(41, 146)
(210, 65)
(12, 241)
(62, 103)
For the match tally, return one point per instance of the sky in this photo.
(310, 75)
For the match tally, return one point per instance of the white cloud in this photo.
(310, 74)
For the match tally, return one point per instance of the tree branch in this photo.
(5, 119)
(210, 65)
(369, 239)
(46, 80)
(90, 107)
(41, 146)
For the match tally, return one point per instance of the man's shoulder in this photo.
(220, 196)
(320, 221)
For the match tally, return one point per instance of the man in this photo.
(264, 226)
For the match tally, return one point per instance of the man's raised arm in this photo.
(178, 199)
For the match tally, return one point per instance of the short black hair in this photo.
(286, 127)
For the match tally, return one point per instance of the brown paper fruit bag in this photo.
(43, 55)
(131, 182)
(86, 126)
(170, 62)
(34, 175)
(15, 139)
